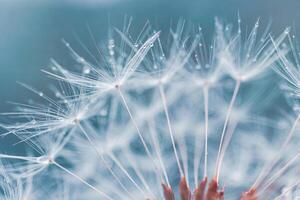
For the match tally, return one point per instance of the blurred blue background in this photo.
(31, 31)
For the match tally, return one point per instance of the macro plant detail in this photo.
(169, 116)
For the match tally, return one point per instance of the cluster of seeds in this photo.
(162, 116)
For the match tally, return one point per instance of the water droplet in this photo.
(111, 52)
(103, 112)
(57, 94)
(86, 69)
(111, 43)
(80, 60)
(286, 31)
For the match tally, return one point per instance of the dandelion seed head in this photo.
(156, 118)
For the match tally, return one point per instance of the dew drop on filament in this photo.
(86, 69)
(198, 67)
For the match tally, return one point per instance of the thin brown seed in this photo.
(168, 192)
(185, 193)
(199, 192)
(249, 195)
(213, 193)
